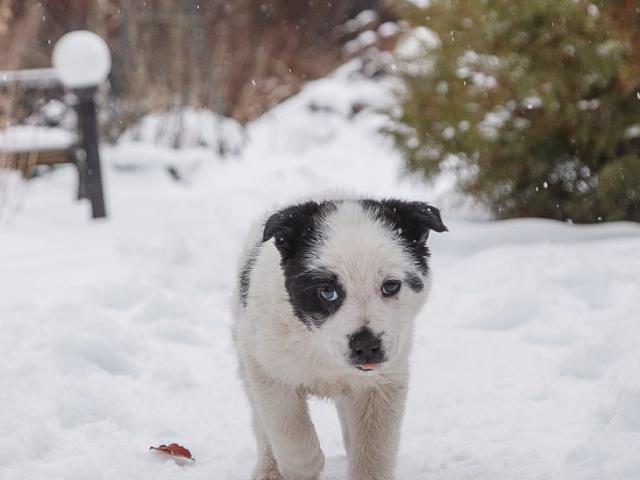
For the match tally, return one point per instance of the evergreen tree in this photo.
(538, 99)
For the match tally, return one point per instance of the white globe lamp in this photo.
(81, 59)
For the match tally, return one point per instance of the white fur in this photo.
(282, 360)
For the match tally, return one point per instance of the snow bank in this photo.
(24, 138)
(181, 139)
(115, 334)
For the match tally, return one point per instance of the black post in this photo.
(89, 166)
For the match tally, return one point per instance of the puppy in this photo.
(325, 306)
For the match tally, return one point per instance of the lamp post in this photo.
(82, 62)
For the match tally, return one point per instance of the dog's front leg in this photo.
(285, 416)
(374, 418)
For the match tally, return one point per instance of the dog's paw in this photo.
(267, 470)
(268, 475)
(307, 467)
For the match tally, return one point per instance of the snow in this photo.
(188, 128)
(365, 39)
(116, 334)
(362, 20)
(388, 29)
(421, 3)
(25, 138)
(418, 41)
(34, 76)
(413, 50)
(180, 139)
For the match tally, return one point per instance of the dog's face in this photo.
(356, 273)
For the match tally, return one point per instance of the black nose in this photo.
(365, 347)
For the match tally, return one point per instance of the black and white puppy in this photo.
(325, 306)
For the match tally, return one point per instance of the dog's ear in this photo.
(414, 220)
(290, 227)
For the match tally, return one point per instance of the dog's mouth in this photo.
(368, 367)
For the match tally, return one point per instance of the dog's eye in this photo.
(390, 287)
(328, 294)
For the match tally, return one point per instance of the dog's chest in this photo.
(339, 385)
(327, 389)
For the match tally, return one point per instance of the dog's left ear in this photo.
(291, 227)
(414, 220)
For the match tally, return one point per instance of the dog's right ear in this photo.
(290, 227)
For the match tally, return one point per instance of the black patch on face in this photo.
(296, 230)
(245, 274)
(412, 221)
(305, 300)
(414, 282)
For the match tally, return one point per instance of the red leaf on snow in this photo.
(174, 450)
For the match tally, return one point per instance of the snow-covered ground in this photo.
(115, 335)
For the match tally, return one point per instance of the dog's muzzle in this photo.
(366, 350)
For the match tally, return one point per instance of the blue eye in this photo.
(390, 287)
(328, 294)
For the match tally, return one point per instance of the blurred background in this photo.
(519, 119)
(534, 106)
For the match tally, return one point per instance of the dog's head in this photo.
(356, 273)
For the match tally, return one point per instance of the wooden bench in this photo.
(27, 161)
(84, 153)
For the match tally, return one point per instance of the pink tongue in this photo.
(368, 366)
